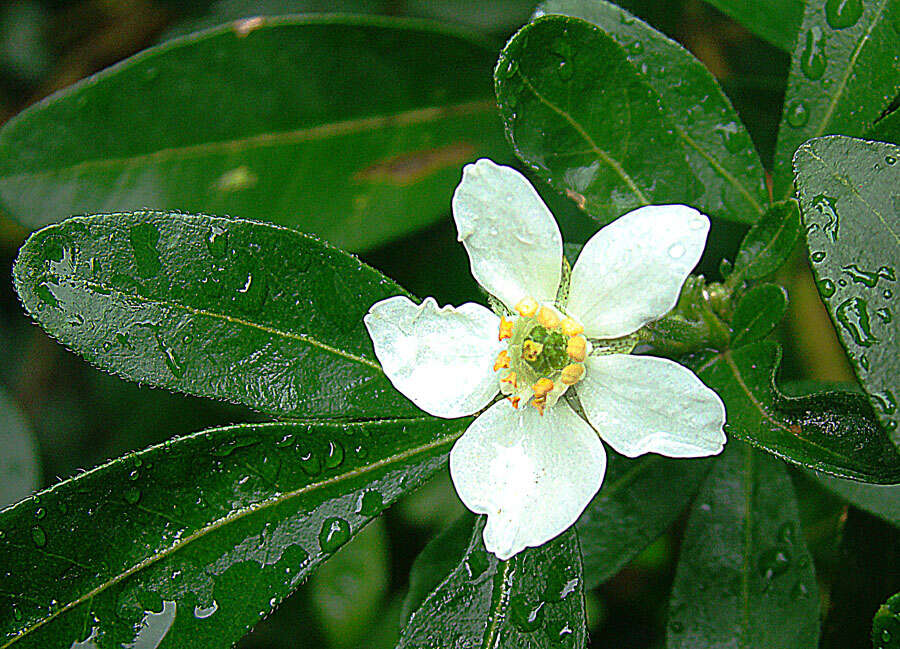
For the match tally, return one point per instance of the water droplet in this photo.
(826, 287)
(310, 463)
(843, 13)
(526, 616)
(817, 256)
(774, 561)
(39, 513)
(885, 635)
(217, 241)
(676, 626)
(870, 278)
(171, 359)
(132, 496)
(476, 564)
(676, 251)
(884, 314)
(888, 294)
(853, 315)
(335, 532)
(797, 114)
(46, 295)
(144, 238)
(563, 50)
(885, 402)
(334, 456)
(38, 536)
(891, 160)
(812, 60)
(825, 205)
(800, 591)
(730, 134)
(787, 532)
(507, 67)
(635, 47)
(370, 503)
(201, 613)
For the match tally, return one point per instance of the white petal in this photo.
(514, 244)
(631, 272)
(441, 359)
(643, 404)
(532, 475)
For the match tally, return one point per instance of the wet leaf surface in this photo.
(769, 243)
(848, 195)
(757, 314)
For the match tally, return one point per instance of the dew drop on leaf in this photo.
(335, 532)
(843, 13)
(203, 612)
(812, 60)
(817, 256)
(853, 315)
(370, 503)
(826, 287)
(526, 616)
(334, 456)
(797, 114)
(38, 536)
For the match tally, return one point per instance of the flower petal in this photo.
(532, 475)
(631, 272)
(643, 404)
(441, 359)
(514, 244)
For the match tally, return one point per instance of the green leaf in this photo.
(744, 578)
(638, 500)
(830, 431)
(768, 244)
(882, 501)
(886, 624)
(585, 118)
(708, 131)
(354, 128)
(757, 314)
(198, 538)
(844, 73)
(776, 21)
(887, 129)
(850, 208)
(531, 601)
(225, 308)
(436, 561)
(20, 472)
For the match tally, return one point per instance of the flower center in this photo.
(544, 355)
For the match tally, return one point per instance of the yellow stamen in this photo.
(542, 388)
(527, 307)
(502, 360)
(510, 378)
(571, 327)
(539, 404)
(531, 350)
(506, 328)
(572, 374)
(514, 401)
(547, 318)
(576, 348)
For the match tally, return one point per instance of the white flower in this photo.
(530, 461)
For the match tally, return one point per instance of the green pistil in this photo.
(552, 356)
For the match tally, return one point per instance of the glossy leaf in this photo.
(757, 314)
(198, 538)
(887, 129)
(638, 501)
(20, 472)
(534, 600)
(354, 128)
(707, 129)
(882, 501)
(829, 431)
(886, 624)
(850, 207)
(768, 244)
(744, 578)
(225, 308)
(844, 73)
(776, 21)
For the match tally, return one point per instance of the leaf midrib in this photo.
(234, 516)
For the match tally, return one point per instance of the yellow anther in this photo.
(527, 307)
(514, 401)
(539, 404)
(542, 388)
(547, 318)
(502, 360)
(506, 327)
(531, 350)
(572, 374)
(576, 348)
(571, 327)
(510, 379)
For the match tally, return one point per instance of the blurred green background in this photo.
(81, 416)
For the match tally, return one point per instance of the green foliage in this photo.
(744, 575)
(881, 500)
(352, 128)
(19, 464)
(768, 244)
(777, 21)
(757, 314)
(833, 432)
(844, 73)
(847, 195)
(886, 624)
(536, 599)
(200, 537)
(251, 313)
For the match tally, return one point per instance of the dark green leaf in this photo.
(354, 128)
(851, 210)
(777, 21)
(830, 431)
(769, 243)
(639, 499)
(845, 71)
(707, 129)
(231, 309)
(197, 538)
(19, 464)
(886, 624)
(880, 500)
(534, 600)
(758, 313)
(744, 578)
(887, 129)
(436, 561)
